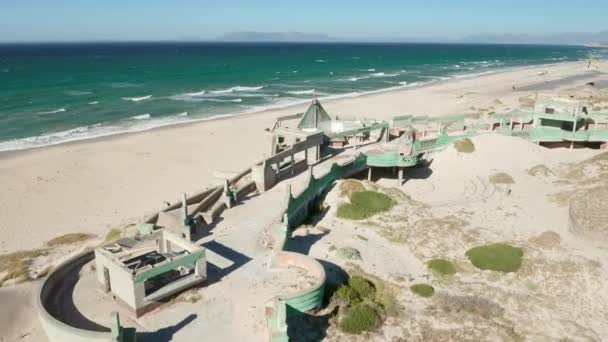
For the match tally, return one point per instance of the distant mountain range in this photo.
(597, 39)
(275, 37)
(561, 39)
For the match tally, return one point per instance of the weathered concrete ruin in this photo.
(170, 254)
(144, 270)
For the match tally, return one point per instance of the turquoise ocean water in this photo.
(55, 93)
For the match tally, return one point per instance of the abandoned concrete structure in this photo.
(141, 272)
(161, 261)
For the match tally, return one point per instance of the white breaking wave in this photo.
(237, 88)
(220, 100)
(198, 93)
(141, 117)
(79, 92)
(320, 61)
(94, 102)
(371, 70)
(183, 114)
(137, 99)
(302, 92)
(60, 110)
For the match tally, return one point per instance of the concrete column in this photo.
(273, 145)
(227, 196)
(369, 174)
(200, 268)
(184, 209)
(306, 156)
(293, 164)
(139, 293)
(400, 176)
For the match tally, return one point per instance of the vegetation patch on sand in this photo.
(464, 146)
(363, 304)
(68, 239)
(365, 204)
(441, 266)
(350, 186)
(540, 170)
(501, 178)
(113, 234)
(496, 257)
(359, 318)
(423, 290)
(15, 265)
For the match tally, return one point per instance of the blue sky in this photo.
(58, 20)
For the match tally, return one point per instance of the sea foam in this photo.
(141, 117)
(137, 99)
(237, 88)
(60, 110)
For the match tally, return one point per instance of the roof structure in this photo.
(315, 117)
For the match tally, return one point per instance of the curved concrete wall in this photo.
(52, 292)
(306, 299)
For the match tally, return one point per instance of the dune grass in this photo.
(464, 146)
(501, 178)
(69, 239)
(365, 204)
(441, 266)
(359, 318)
(350, 186)
(113, 234)
(496, 257)
(15, 265)
(423, 290)
(364, 304)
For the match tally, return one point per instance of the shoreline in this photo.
(269, 109)
(91, 186)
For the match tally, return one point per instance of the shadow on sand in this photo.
(165, 334)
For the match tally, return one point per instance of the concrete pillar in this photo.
(306, 156)
(293, 164)
(400, 176)
(184, 209)
(200, 268)
(273, 145)
(139, 293)
(227, 195)
(369, 174)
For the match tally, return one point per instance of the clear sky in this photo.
(58, 20)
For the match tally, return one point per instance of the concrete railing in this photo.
(50, 302)
(297, 209)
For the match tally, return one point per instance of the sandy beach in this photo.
(92, 186)
(95, 185)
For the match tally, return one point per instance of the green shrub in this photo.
(496, 257)
(464, 146)
(422, 290)
(501, 178)
(364, 204)
(69, 239)
(347, 295)
(359, 318)
(363, 287)
(441, 266)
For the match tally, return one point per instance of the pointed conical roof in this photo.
(314, 117)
